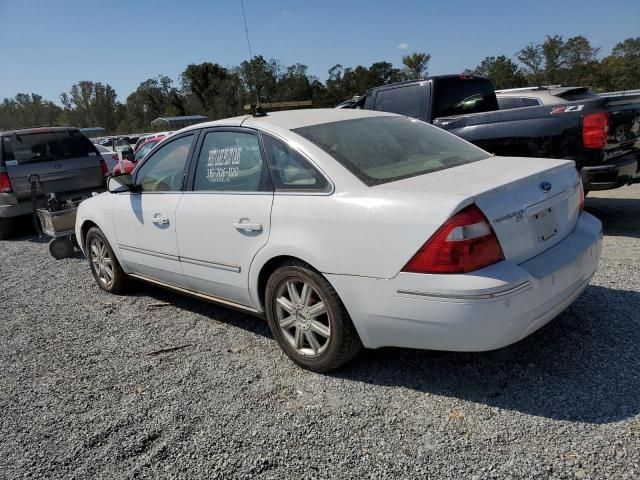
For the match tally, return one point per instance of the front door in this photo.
(145, 219)
(225, 219)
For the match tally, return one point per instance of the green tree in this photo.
(502, 71)
(153, 98)
(554, 52)
(92, 104)
(416, 64)
(621, 69)
(28, 110)
(532, 58)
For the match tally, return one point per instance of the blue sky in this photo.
(46, 46)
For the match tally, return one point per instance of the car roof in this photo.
(292, 119)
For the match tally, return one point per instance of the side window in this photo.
(507, 103)
(229, 161)
(163, 171)
(289, 171)
(530, 102)
(403, 100)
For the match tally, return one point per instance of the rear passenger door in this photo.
(224, 217)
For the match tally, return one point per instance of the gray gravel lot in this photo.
(83, 395)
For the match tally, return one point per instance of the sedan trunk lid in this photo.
(532, 204)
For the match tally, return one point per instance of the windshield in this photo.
(46, 146)
(384, 149)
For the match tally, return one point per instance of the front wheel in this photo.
(103, 263)
(308, 319)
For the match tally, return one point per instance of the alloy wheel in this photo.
(302, 317)
(101, 261)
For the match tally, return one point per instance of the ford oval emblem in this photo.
(545, 187)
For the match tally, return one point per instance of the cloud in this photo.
(403, 46)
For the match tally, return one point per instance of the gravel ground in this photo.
(86, 394)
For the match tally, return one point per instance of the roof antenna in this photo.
(258, 111)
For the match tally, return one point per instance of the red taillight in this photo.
(105, 168)
(5, 183)
(466, 242)
(595, 128)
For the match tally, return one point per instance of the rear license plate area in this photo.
(544, 224)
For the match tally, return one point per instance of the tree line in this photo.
(218, 92)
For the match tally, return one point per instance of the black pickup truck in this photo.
(601, 134)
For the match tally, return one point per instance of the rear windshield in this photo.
(384, 149)
(46, 146)
(463, 95)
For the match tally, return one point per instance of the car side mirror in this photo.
(120, 183)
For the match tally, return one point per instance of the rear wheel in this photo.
(103, 263)
(308, 319)
(6, 228)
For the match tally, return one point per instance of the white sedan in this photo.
(349, 228)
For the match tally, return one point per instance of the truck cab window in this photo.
(402, 100)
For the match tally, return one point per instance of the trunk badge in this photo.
(545, 187)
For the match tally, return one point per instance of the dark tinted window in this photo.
(289, 171)
(530, 102)
(507, 103)
(387, 148)
(463, 95)
(46, 146)
(403, 100)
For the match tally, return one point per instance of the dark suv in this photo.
(61, 159)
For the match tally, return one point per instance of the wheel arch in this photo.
(270, 266)
(84, 229)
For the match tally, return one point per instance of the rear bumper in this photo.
(484, 310)
(613, 174)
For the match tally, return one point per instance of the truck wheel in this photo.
(6, 228)
(103, 263)
(308, 319)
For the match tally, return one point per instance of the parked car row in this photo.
(599, 133)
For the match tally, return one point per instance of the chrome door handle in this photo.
(160, 220)
(248, 227)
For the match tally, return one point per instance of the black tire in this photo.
(342, 343)
(60, 248)
(118, 279)
(6, 228)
